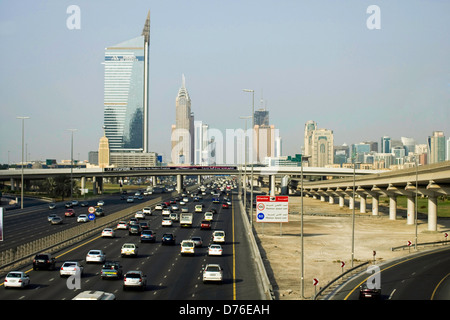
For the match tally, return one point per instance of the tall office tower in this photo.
(183, 130)
(201, 142)
(103, 152)
(264, 142)
(261, 117)
(409, 144)
(385, 145)
(436, 147)
(321, 147)
(310, 127)
(126, 93)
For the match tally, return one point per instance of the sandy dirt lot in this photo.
(327, 238)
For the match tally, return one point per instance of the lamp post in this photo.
(71, 163)
(245, 160)
(252, 160)
(23, 134)
(301, 231)
(353, 212)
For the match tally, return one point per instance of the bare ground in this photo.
(327, 240)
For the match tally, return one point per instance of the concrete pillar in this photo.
(179, 183)
(411, 213)
(83, 184)
(199, 179)
(341, 200)
(351, 201)
(331, 199)
(375, 204)
(432, 213)
(13, 184)
(362, 203)
(392, 207)
(154, 182)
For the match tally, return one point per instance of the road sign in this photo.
(409, 243)
(91, 209)
(91, 216)
(315, 281)
(272, 209)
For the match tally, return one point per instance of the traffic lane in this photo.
(411, 278)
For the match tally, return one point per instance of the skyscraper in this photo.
(126, 93)
(310, 126)
(436, 147)
(322, 143)
(183, 130)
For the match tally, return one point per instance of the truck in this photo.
(186, 219)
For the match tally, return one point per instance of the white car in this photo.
(166, 212)
(16, 279)
(184, 210)
(198, 208)
(147, 210)
(100, 203)
(218, 236)
(215, 250)
(175, 207)
(134, 279)
(187, 247)
(213, 272)
(95, 256)
(174, 216)
(129, 249)
(130, 199)
(140, 215)
(166, 222)
(108, 232)
(70, 268)
(159, 207)
(122, 225)
(82, 218)
(208, 216)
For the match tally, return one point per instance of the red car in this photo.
(206, 224)
(69, 213)
(225, 206)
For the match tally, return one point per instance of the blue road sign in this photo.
(261, 216)
(91, 216)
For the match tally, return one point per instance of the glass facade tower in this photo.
(126, 94)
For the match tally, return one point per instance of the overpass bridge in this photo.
(429, 181)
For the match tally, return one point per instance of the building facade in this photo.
(126, 93)
(322, 143)
(436, 147)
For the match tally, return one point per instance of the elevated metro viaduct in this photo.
(430, 181)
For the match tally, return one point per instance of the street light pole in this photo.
(71, 163)
(245, 160)
(252, 160)
(23, 134)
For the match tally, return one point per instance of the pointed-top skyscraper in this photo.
(126, 93)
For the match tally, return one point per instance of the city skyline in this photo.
(321, 63)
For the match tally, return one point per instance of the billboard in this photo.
(272, 209)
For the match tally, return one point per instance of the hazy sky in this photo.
(309, 60)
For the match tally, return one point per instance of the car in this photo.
(133, 221)
(69, 213)
(212, 272)
(99, 211)
(84, 203)
(198, 208)
(70, 268)
(185, 199)
(134, 279)
(159, 206)
(369, 293)
(147, 211)
(108, 232)
(225, 206)
(82, 218)
(129, 249)
(166, 212)
(130, 199)
(182, 203)
(197, 241)
(166, 222)
(168, 238)
(16, 279)
(175, 207)
(52, 205)
(95, 256)
(111, 269)
(51, 216)
(215, 250)
(187, 247)
(68, 204)
(208, 216)
(56, 220)
(100, 203)
(184, 210)
(206, 224)
(44, 261)
(148, 236)
(74, 203)
(144, 225)
(94, 295)
(218, 236)
(174, 216)
(139, 215)
(122, 225)
(134, 229)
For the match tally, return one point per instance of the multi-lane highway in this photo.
(169, 275)
(424, 276)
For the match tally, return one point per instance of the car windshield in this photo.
(128, 246)
(187, 244)
(219, 234)
(133, 275)
(13, 275)
(70, 264)
(213, 268)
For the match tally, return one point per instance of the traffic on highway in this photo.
(152, 254)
